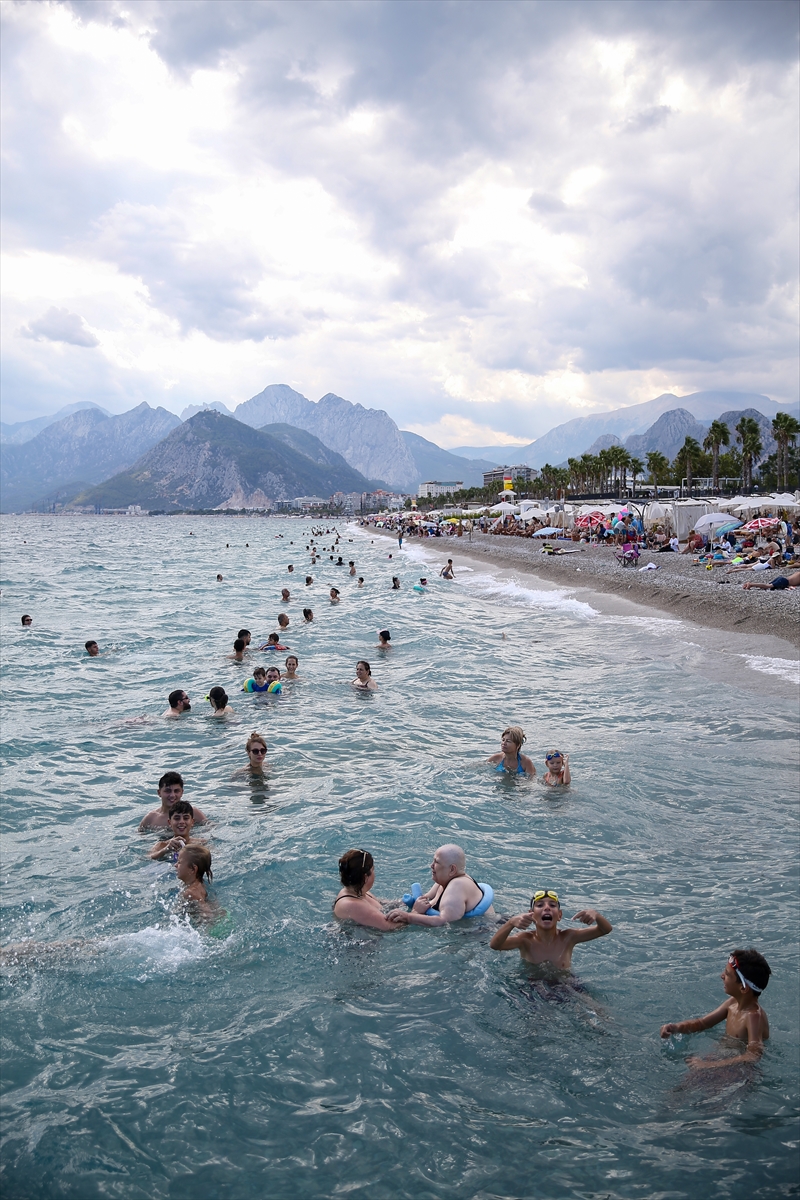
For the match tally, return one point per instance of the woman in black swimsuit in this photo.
(354, 902)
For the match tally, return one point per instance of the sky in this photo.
(485, 218)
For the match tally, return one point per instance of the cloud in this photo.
(58, 325)
(380, 200)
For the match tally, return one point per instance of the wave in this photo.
(784, 668)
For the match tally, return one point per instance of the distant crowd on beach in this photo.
(453, 895)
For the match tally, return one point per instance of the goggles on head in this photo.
(744, 982)
(541, 895)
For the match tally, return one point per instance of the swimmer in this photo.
(244, 634)
(218, 699)
(181, 823)
(423, 581)
(363, 680)
(92, 649)
(27, 621)
(557, 773)
(193, 863)
(395, 584)
(257, 682)
(354, 902)
(547, 943)
(308, 615)
(285, 593)
(447, 571)
(454, 893)
(384, 642)
(360, 581)
(238, 651)
(290, 569)
(283, 620)
(170, 791)
(745, 977)
(334, 593)
(510, 758)
(179, 703)
(256, 747)
(273, 642)
(309, 580)
(219, 578)
(274, 685)
(339, 561)
(352, 566)
(292, 664)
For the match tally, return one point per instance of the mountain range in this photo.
(83, 448)
(574, 437)
(23, 431)
(669, 432)
(212, 461)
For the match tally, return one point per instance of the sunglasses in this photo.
(254, 750)
(541, 895)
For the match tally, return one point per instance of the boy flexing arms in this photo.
(547, 943)
(745, 976)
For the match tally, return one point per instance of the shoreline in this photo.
(679, 589)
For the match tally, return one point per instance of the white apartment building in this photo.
(426, 491)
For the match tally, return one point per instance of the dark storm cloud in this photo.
(683, 238)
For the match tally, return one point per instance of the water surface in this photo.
(297, 1058)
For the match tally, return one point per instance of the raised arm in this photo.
(502, 940)
(598, 926)
(567, 778)
(162, 849)
(697, 1024)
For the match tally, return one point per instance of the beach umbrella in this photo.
(760, 523)
(729, 528)
(710, 520)
(504, 508)
(547, 532)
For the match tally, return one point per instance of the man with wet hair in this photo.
(244, 634)
(170, 791)
(179, 703)
(454, 893)
(92, 649)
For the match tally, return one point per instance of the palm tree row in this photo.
(785, 430)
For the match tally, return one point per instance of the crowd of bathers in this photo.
(453, 895)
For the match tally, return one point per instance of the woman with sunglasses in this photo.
(557, 772)
(354, 902)
(256, 748)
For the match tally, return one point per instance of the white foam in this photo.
(784, 668)
(159, 948)
(509, 589)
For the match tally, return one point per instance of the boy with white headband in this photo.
(745, 976)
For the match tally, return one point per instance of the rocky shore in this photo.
(679, 587)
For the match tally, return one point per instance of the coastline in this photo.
(679, 589)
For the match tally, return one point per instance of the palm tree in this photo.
(657, 464)
(686, 457)
(718, 435)
(748, 435)
(604, 464)
(637, 468)
(785, 428)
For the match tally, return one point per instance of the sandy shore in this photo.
(679, 588)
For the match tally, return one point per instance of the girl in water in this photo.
(385, 639)
(511, 759)
(308, 616)
(218, 699)
(363, 680)
(256, 747)
(354, 902)
(193, 863)
(291, 667)
(334, 595)
(557, 772)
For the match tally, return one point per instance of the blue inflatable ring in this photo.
(477, 911)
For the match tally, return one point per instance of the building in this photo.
(426, 491)
(306, 502)
(520, 471)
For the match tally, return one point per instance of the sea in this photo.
(282, 1054)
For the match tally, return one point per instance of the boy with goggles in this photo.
(557, 769)
(546, 943)
(745, 976)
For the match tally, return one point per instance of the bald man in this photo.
(454, 892)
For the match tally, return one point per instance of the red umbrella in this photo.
(590, 519)
(758, 524)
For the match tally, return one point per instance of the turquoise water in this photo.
(297, 1058)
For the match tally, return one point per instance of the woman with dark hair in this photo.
(363, 681)
(218, 699)
(354, 902)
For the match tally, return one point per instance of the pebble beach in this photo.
(679, 586)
